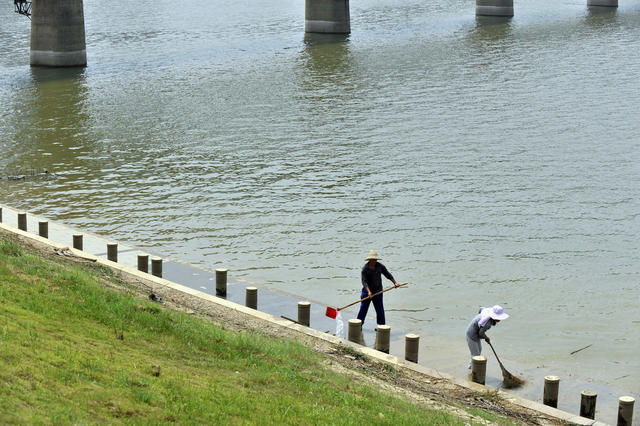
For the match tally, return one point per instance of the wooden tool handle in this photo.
(373, 295)
(494, 352)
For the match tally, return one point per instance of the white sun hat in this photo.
(373, 255)
(496, 312)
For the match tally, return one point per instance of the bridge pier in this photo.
(495, 7)
(603, 3)
(57, 33)
(327, 16)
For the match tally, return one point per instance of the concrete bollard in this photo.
(156, 267)
(57, 34)
(22, 221)
(602, 3)
(551, 388)
(625, 410)
(112, 252)
(411, 346)
(304, 313)
(77, 242)
(0, 214)
(251, 298)
(479, 369)
(588, 404)
(327, 16)
(494, 8)
(43, 229)
(355, 331)
(143, 263)
(383, 336)
(221, 282)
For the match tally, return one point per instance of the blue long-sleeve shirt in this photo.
(372, 278)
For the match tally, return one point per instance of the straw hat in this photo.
(373, 255)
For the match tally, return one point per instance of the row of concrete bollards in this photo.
(251, 295)
(112, 255)
(551, 391)
(587, 401)
(383, 332)
(383, 337)
(78, 244)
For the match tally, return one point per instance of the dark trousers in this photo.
(377, 304)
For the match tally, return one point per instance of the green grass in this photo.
(73, 351)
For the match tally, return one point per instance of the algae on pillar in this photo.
(494, 8)
(327, 16)
(57, 33)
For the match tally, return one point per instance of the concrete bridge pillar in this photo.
(494, 8)
(327, 16)
(57, 33)
(604, 3)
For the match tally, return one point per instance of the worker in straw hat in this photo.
(372, 273)
(477, 329)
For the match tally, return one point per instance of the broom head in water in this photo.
(509, 380)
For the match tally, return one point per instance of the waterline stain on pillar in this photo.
(327, 16)
(494, 8)
(57, 33)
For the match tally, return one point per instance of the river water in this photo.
(488, 161)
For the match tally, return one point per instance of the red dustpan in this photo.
(333, 312)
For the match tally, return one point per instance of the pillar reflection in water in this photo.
(51, 135)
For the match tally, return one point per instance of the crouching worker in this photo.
(486, 318)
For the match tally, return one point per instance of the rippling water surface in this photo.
(488, 161)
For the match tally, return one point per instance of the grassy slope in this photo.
(72, 351)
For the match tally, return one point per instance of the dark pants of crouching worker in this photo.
(377, 304)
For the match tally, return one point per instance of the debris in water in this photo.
(576, 351)
(27, 174)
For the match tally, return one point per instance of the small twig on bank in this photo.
(291, 319)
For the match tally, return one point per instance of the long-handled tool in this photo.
(508, 379)
(333, 312)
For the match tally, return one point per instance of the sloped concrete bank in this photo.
(425, 385)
